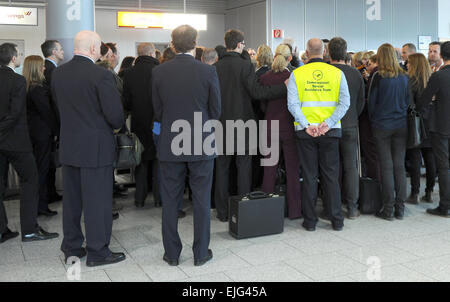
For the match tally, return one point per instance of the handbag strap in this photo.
(359, 154)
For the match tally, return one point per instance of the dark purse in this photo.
(416, 128)
(129, 150)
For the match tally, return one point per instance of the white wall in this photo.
(444, 19)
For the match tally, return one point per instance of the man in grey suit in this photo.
(182, 89)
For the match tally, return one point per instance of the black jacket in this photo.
(357, 91)
(137, 92)
(181, 88)
(42, 122)
(90, 108)
(438, 113)
(13, 112)
(48, 72)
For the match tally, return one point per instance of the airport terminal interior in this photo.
(415, 248)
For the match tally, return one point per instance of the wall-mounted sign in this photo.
(278, 33)
(160, 20)
(374, 10)
(18, 15)
(424, 42)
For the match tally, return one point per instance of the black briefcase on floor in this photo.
(256, 214)
(369, 196)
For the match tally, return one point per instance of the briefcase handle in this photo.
(257, 195)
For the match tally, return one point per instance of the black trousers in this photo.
(441, 152)
(369, 156)
(319, 159)
(25, 166)
(244, 179)
(51, 176)
(415, 158)
(391, 146)
(348, 147)
(173, 176)
(42, 150)
(88, 191)
(146, 175)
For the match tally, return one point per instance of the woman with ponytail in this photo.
(277, 111)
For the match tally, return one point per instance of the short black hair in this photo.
(337, 49)
(445, 51)
(47, 47)
(436, 43)
(184, 38)
(221, 51)
(325, 41)
(112, 46)
(7, 52)
(233, 37)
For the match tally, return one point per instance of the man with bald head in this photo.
(137, 91)
(318, 98)
(90, 110)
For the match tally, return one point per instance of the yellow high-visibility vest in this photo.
(318, 87)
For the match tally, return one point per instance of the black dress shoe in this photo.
(55, 198)
(40, 234)
(399, 213)
(139, 204)
(206, 259)
(385, 216)
(308, 228)
(113, 258)
(82, 254)
(170, 262)
(439, 212)
(48, 213)
(8, 235)
(222, 219)
(115, 216)
(353, 213)
(338, 228)
(181, 214)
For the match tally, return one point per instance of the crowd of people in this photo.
(330, 104)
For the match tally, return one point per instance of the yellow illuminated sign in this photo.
(160, 20)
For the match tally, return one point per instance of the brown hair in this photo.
(373, 59)
(419, 70)
(33, 71)
(281, 60)
(264, 56)
(388, 66)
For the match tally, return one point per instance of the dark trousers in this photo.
(146, 175)
(25, 166)
(244, 179)
(51, 175)
(441, 152)
(173, 176)
(391, 146)
(88, 191)
(319, 159)
(287, 144)
(415, 158)
(369, 156)
(348, 147)
(42, 150)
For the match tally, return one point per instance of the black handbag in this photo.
(416, 128)
(129, 150)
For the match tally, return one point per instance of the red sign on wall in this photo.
(278, 33)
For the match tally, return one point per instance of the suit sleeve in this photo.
(427, 95)
(16, 107)
(259, 92)
(214, 102)
(156, 99)
(361, 102)
(41, 101)
(126, 94)
(373, 96)
(110, 102)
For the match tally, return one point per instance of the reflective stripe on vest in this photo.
(318, 87)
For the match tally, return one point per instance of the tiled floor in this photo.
(368, 249)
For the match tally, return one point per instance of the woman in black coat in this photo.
(42, 125)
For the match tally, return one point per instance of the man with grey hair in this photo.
(90, 111)
(137, 92)
(407, 50)
(318, 98)
(210, 56)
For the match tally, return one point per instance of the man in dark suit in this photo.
(137, 92)
(183, 88)
(15, 148)
(53, 54)
(90, 110)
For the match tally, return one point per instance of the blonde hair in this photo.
(264, 56)
(281, 60)
(388, 66)
(419, 70)
(33, 71)
(366, 56)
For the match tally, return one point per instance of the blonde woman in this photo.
(264, 59)
(277, 110)
(42, 125)
(389, 97)
(419, 71)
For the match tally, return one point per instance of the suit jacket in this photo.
(42, 121)
(48, 72)
(137, 91)
(90, 108)
(13, 112)
(180, 88)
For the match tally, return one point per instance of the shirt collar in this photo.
(54, 63)
(86, 58)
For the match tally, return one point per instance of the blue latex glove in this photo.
(156, 128)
